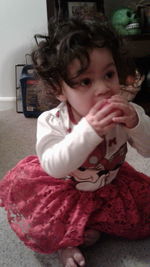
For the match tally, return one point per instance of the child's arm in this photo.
(136, 122)
(139, 136)
(62, 153)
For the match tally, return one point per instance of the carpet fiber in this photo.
(17, 135)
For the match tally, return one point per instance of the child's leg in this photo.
(91, 237)
(125, 210)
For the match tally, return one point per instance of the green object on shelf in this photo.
(126, 22)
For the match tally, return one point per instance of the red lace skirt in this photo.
(49, 213)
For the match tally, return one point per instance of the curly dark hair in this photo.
(70, 39)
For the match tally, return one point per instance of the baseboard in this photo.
(7, 103)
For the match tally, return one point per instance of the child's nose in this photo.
(102, 88)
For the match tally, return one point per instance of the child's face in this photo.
(100, 81)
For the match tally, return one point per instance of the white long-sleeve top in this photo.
(76, 151)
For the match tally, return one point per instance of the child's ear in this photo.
(61, 97)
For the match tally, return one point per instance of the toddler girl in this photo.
(79, 184)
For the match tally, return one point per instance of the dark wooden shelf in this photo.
(139, 37)
(52, 7)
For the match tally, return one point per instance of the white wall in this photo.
(19, 21)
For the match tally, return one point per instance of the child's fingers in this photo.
(124, 107)
(98, 106)
(117, 102)
(106, 120)
(117, 98)
(120, 120)
(109, 111)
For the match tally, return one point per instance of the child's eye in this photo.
(85, 82)
(109, 74)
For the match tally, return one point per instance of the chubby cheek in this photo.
(86, 108)
(81, 108)
(85, 104)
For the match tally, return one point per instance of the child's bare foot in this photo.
(91, 237)
(71, 257)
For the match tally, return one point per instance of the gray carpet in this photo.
(17, 140)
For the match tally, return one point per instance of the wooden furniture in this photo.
(53, 6)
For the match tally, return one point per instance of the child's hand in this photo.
(128, 117)
(107, 113)
(101, 115)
